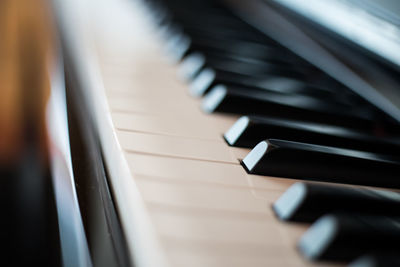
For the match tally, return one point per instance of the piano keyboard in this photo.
(185, 189)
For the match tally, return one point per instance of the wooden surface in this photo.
(180, 189)
(26, 49)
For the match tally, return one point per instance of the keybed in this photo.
(168, 157)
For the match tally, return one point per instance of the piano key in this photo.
(160, 14)
(142, 105)
(377, 260)
(309, 87)
(191, 65)
(227, 33)
(322, 163)
(347, 236)
(216, 16)
(167, 195)
(209, 228)
(170, 31)
(203, 82)
(258, 102)
(191, 171)
(306, 202)
(263, 52)
(177, 44)
(219, 45)
(245, 50)
(290, 85)
(165, 125)
(238, 72)
(236, 63)
(208, 78)
(285, 85)
(273, 79)
(241, 66)
(174, 146)
(202, 196)
(278, 52)
(248, 131)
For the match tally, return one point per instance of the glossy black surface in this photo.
(343, 237)
(238, 55)
(248, 101)
(248, 131)
(306, 202)
(390, 259)
(322, 163)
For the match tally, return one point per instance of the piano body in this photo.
(178, 193)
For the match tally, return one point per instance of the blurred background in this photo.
(29, 231)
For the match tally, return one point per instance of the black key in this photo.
(280, 80)
(227, 68)
(345, 237)
(252, 68)
(191, 65)
(309, 86)
(246, 51)
(217, 45)
(208, 78)
(160, 15)
(271, 75)
(256, 73)
(218, 22)
(249, 131)
(247, 48)
(288, 85)
(177, 46)
(322, 163)
(199, 32)
(306, 202)
(170, 31)
(204, 80)
(377, 260)
(246, 101)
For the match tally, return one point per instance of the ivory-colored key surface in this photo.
(167, 125)
(175, 146)
(181, 193)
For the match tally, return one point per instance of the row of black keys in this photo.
(327, 142)
(258, 76)
(348, 222)
(317, 151)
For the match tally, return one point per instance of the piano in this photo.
(203, 125)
